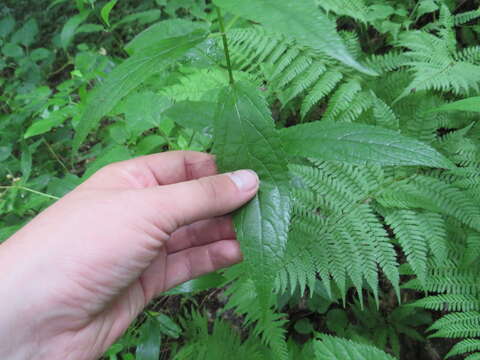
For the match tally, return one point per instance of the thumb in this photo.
(186, 202)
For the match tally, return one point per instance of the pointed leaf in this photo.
(245, 138)
(359, 144)
(70, 28)
(301, 20)
(150, 341)
(106, 10)
(130, 74)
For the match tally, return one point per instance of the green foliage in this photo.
(340, 349)
(359, 144)
(245, 138)
(360, 118)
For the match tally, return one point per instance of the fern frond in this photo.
(268, 325)
(303, 82)
(342, 98)
(458, 325)
(449, 303)
(448, 279)
(320, 90)
(470, 54)
(355, 9)
(464, 346)
(384, 114)
(388, 62)
(437, 64)
(221, 343)
(346, 239)
(332, 348)
(435, 195)
(200, 84)
(462, 18)
(290, 70)
(406, 226)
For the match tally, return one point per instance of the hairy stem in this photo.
(225, 45)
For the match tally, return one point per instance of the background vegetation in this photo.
(382, 258)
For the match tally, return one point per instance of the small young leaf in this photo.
(195, 115)
(301, 20)
(70, 28)
(26, 34)
(245, 138)
(359, 144)
(130, 74)
(7, 24)
(13, 50)
(106, 10)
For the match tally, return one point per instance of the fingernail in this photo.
(245, 180)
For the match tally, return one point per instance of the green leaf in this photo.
(150, 143)
(304, 326)
(89, 28)
(7, 231)
(53, 119)
(60, 187)
(471, 104)
(195, 115)
(168, 326)
(106, 10)
(129, 75)
(359, 144)
(143, 111)
(70, 28)
(5, 152)
(162, 30)
(7, 24)
(205, 282)
(26, 34)
(245, 138)
(150, 341)
(13, 50)
(26, 162)
(55, 3)
(301, 20)
(144, 17)
(114, 154)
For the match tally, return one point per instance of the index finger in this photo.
(153, 170)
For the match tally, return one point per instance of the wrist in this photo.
(18, 337)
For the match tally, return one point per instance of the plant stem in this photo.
(29, 190)
(225, 45)
(55, 155)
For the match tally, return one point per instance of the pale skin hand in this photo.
(76, 276)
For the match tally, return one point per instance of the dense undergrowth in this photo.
(364, 241)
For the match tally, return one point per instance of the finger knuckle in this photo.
(210, 188)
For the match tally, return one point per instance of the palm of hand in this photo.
(131, 233)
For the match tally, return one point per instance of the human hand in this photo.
(79, 273)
